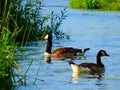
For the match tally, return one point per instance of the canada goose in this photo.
(90, 67)
(66, 52)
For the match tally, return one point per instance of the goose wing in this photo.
(93, 67)
(66, 51)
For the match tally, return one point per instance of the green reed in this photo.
(96, 4)
(33, 22)
(7, 45)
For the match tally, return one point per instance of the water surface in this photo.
(95, 29)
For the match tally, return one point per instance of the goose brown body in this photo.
(92, 67)
(66, 52)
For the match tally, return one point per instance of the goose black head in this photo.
(103, 53)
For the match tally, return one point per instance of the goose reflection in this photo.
(77, 76)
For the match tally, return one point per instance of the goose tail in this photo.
(74, 66)
(86, 49)
(79, 69)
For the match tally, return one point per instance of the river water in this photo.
(94, 29)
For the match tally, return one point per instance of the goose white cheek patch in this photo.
(103, 53)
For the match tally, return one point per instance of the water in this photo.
(94, 29)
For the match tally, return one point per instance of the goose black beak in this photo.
(107, 55)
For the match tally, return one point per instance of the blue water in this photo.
(94, 29)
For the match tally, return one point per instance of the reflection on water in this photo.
(77, 76)
(94, 29)
(65, 59)
(48, 59)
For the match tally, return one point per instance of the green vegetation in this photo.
(7, 45)
(33, 22)
(18, 25)
(96, 4)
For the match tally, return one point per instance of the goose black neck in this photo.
(98, 58)
(49, 44)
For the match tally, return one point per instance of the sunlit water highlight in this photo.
(94, 29)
